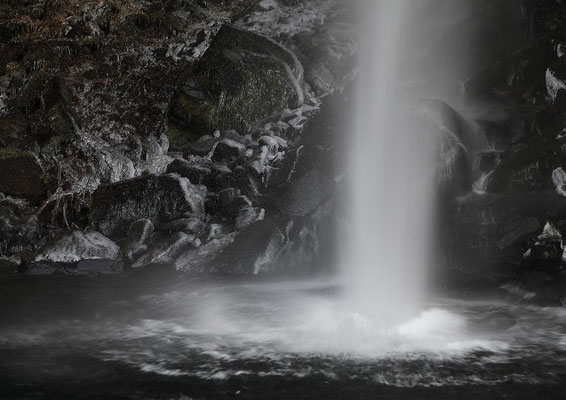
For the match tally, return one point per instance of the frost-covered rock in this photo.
(554, 84)
(550, 233)
(76, 246)
(227, 149)
(159, 198)
(559, 180)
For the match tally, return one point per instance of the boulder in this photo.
(304, 195)
(243, 77)
(164, 249)
(196, 172)
(75, 246)
(21, 175)
(252, 251)
(159, 198)
(227, 149)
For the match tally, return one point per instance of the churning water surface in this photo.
(217, 339)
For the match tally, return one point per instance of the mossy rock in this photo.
(242, 78)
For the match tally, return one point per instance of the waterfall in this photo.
(393, 159)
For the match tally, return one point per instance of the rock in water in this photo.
(76, 246)
(159, 198)
(252, 251)
(243, 77)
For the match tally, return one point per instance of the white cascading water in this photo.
(393, 163)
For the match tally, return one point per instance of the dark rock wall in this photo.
(198, 119)
(495, 235)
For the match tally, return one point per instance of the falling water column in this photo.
(391, 176)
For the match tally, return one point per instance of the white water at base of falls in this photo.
(392, 175)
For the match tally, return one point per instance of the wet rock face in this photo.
(242, 77)
(495, 235)
(159, 198)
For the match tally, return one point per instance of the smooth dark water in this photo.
(172, 338)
